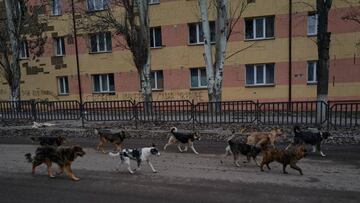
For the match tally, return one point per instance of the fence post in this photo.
(193, 114)
(136, 116)
(82, 114)
(33, 110)
(328, 116)
(257, 112)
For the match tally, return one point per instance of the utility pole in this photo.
(290, 51)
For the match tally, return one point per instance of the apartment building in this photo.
(256, 68)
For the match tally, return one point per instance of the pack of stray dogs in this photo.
(51, 150)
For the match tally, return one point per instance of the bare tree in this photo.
(224, 24)
(18, 23)
(323, 43)
(130, 20)
(353, 14)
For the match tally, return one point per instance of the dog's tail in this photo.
(296, 129)
(114, 154)
(96, 131)
(173, 129)
(28, 157)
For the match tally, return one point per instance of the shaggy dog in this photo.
(109, 136)
(139, 155)
(262, 139)
(51, 141)
(313, 137)
(183, 138)
(62, 156)
(285, 157)
(237, 147)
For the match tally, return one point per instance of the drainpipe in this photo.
(290, 48)
(77, 62)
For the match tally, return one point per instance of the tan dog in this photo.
(262, 139)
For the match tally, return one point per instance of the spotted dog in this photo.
(313, 137)
(138, 155)
(183, 138)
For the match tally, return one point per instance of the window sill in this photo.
(311, 35)
(24, 58)
(262, 85)
(311, 83)
(157, 90)
(108, 93)
(65, 94)
(259, 39)
(100, 52)
(154, 3)
(198, 88)
(58, 56)
(197, 44)
(95, 11)
(53, 15)
(160, 47)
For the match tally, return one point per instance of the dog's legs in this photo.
(69, 172)
(118, 147)
(284, 169)
(179, 147)
(127, 161)
(288, 146)
(167, 144)
(236, 157)
(185, 149)
(192, 147)
(227, 151)
(256, 161)
(48, 164)
(294, 166)
(262, 165)
(151, 166)
(34, 165)
(268, 166)
(313, 148)
(248, 157)
(318, 147)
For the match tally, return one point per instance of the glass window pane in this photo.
(270, 74)
(249, 75)
(152, 37)
(312, 29)
(249, 29)
(98, 4)
(111, 82)
(108, 41)
(269, 27)
(259, 23)
(91, 5)
(160, 80)
(101, 41)
(201, 33)
(152, 77)
(61, 85)
(212, 31)
(93, 43)
(66, 85)
(96, 81)
(311, 75)
(62, 46)
(203, 77)
(158, 42)
(192, 34)
(260, 74)
(104, 83)
(194, 77)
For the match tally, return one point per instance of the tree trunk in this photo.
(221, 43)
(323, 43)
(14, 81)
(207, 46)
(146, 82)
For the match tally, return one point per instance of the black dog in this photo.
(236, 148)
(182, 138)
(51, 141)
(312, 137)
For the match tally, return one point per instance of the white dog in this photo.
(138, 155)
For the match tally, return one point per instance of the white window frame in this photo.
(198, 79)
(106, 48)
(56, 11)
(255, 28)
(23, 50)
(153, 36)
(59, 41)
(61, 83)
(314, 72)
(310, 16)
(255, 66)
(198, 31)
(153, 2)
(102, 5)
(102, 90)
(156, 72)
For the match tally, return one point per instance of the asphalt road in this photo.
(108, 186)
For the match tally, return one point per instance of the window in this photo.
(96, 5)
(55, 8)
(196, 35)
(155, 37)
(311, 70)
(153, 1)
(24, 52)
(198, 77)
(157, 80)
(312, 24)
(63, 85)
(59, 46)
(259, 28)
(100, 42)
(260, 74)
(103, 83)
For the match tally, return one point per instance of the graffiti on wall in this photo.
(32, 94)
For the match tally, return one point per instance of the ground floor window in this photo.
(198, 77)
(260, 74)
(157, 80)
(63, 85)
(103, 83)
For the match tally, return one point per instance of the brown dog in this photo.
(108, 136)
(63, 156)
(262, 139)
(285, 157)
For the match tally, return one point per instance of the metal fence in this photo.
(334, 113)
